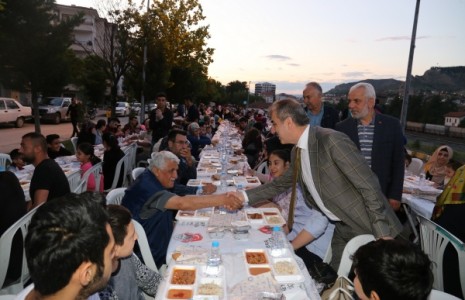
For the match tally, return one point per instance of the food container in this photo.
(285, 269)
(216, 232)
(240, 230)
(257, 262)
(254, 216)
(181, 282)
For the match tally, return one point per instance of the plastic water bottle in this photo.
(214, 259)
(199, 191)
(421, 180)
(277, 242)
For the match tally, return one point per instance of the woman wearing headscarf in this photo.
(435, 168)
(449, 213)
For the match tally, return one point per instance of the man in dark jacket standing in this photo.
(317, 112)
(73, 112)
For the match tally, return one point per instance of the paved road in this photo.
(10, 137)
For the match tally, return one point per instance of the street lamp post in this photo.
(142, 97)
(403, 113)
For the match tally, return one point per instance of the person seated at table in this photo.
(197, 141)
(17, 162)
(130, 277)
(435, 168)
(112, 126)
(69, 249)
(253, 146)
(312, 232)
(87, 133)
(392, 269)
(179, 145)
(85, 155)
(451, 167)
(48, 180)
(132, 127)
(55, 148)
(151, 203)
(13, 206)
(449, 213)
(111, 156)
(99, 130)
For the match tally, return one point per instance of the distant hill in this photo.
(442, 79)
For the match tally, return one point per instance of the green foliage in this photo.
(395, 107)
(35, 46)
(92, 79)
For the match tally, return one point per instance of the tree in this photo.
(236, 92)
(176, 45)
(34, 52)
(92, 78)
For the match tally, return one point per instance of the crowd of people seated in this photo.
(174, 139)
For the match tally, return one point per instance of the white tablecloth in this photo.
(420, 206)
(233, 257)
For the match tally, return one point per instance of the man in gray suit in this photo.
(334, 177)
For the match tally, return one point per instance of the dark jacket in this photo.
(387, 154)
(330, 117)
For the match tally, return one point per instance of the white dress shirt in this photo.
(307, 174)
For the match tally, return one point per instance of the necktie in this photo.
(290, 219)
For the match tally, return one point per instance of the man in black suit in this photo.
(380, 139)
(318, 113)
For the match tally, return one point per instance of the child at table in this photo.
(85, 155)
(17, 163)
(130, 277)
(312, 232)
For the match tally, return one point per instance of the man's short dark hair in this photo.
(394, 270)
(51, 137)
(160, 94)
(37, 140)
(290, 108)
(14, 154)
(316, 86)
(61, 236)
(119, 219)
(174, 132)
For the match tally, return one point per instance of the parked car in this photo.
(11, 111)
(135, 107)
(54, 109)
(122, 109)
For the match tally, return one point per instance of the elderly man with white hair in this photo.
(151, 203)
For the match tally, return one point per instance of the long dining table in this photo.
(194, 233)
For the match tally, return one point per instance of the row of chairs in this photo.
(114, 197)
(434, 240)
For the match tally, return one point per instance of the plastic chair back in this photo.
(438, 295)
(434, 240)
(7, 297)
(74, 181)
(349, 250)
(144, 246)
(5, 160)
(415, 166)
(121, 168)
(96, 171)
(5, 249)
(74, 141)
(136, 172)
(263, 168)
(115, 196)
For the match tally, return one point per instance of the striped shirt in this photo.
(365, 136)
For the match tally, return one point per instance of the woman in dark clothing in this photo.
(111, 156)
(448, 213)
(13, 207)
(253, 146)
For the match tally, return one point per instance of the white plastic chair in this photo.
(144, 246)
(74, 141)
(136, 172)
(115, 196)
(415, 166)
(7, 297)
(349, 251)
(96, 171)
(121, 167)
(74, 180)
(5, 160)
(131, 151)
(5, 250)
(434, 240)
(263, 168)
(438, 295)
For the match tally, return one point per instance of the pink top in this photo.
(91, 180)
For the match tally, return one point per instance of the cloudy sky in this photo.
(291, 42)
